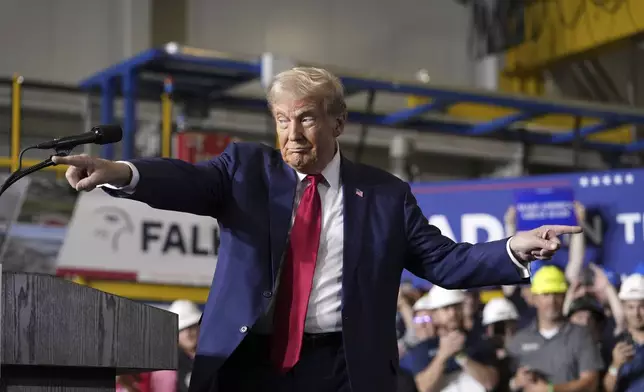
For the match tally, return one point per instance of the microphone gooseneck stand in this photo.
(20, 173)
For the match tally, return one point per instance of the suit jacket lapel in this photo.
(355, 210)
(282, 185)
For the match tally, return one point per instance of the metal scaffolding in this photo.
(199, 74)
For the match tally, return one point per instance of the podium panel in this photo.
(58, 335)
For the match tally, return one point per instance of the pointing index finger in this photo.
(72, 160)
(562, 229)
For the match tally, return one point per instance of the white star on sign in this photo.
(606, 180)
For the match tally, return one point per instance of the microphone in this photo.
(102, 134)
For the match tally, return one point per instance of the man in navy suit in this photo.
(312, 249)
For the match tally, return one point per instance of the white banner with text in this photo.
(115, 238)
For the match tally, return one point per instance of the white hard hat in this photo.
(422, 303)
(499, 309)
(189, 313)
(632, 288)
(440, 297)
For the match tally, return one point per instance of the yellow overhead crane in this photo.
(564, 30)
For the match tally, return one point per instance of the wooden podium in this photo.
(62, 336)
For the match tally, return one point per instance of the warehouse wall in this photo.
(393, 38)
(66, 40)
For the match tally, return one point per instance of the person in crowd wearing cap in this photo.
(407, 336)
(521, 294)
(522, 298)
(552, 354)
(189, 317)
(417, 328)
(626, 372)
(500, 322)
(312, 248)
(422, 329)
(594, 282)
(587, 312)
(455, 360)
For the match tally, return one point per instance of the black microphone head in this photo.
(106, 134)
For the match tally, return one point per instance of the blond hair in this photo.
(309, 82)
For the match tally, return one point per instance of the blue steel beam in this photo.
(119, 69)
(585, 131)
(140, 60)
(635, 146)
(500, 123)
(218, 63)
(423, 125)
(571, 108)
(158, 60)
(407, 114)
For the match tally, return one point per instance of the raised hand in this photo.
(622, 353)
(451, 343)
(86, 173)
(540, 243)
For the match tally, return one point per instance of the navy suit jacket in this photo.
(250, 190)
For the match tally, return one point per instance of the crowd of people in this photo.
(572, 329)
(548, 336)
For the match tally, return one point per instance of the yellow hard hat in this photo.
(549, 280)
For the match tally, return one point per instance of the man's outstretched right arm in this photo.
(169, 184)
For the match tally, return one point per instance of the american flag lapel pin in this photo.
(359, 192)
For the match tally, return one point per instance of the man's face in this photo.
(549, 306)
(188, 339)
(586, 318)
(471, 304)
(423, 325)
(581, 317)
(449, 318)
(306, 134)
(634, 313)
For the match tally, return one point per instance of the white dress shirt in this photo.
(325, 301)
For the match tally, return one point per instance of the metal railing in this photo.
(13, 160)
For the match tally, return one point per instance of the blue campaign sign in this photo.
(473, 211)
(544, 206)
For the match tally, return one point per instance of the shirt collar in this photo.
(331, 172)
(534, 325)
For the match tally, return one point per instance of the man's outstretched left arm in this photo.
(453, 265)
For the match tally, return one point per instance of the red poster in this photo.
(198, 146)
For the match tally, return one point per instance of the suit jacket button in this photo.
(243, 329)
(267, 294)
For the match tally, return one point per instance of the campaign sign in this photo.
(473, 211)
(544, 206)
(110, 236)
